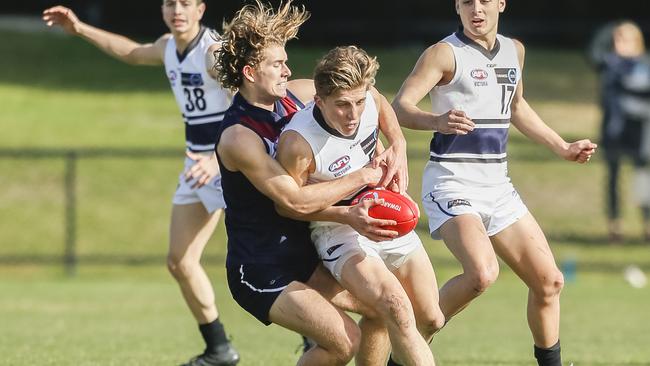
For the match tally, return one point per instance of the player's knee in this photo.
(179, 267)
(430, 322)
(551, 285)
(484, 278)
(347, 345)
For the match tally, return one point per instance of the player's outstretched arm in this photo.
(532, 126)
(115, 45)
(268, 176)
(435, 66)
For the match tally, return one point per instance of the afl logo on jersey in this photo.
(479, 74)
(172, 77)
(339, 164)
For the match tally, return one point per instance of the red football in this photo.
(395, 207)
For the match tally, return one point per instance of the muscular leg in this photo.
(419, 282)
(375, 344)
(524, 248)
(191, 227)
(304, 310)
(369, 280)
(466, 238)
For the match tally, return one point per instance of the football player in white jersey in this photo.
(342, 126)
(187, 52)
(474, 80)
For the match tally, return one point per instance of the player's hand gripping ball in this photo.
(395, 207)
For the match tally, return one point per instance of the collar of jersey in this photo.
(192, 45)
(318, 116)
(472, 43)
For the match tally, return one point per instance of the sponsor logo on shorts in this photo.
(458, 202)
(333, 248)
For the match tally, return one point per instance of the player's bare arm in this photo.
(296, 157)
(268, 176)
(393, 157)
(115, 45)
(436, 66)
(526, 120)
(303, 89)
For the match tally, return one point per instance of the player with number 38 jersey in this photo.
(187, 51)
(201, 99)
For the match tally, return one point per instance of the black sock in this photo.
(549, 356)
(213, 335)
(391, 362)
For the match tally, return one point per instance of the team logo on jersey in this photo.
(479, 74)
(506, 75)
(172, 77)
(191, 79)
(339, 164)
(458, 202)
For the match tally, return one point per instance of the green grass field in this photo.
(58, 92)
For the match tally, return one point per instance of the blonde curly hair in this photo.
(344, 68)
(254, 28)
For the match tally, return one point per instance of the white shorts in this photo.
(497, 206)
(210, 195)
(336, 244)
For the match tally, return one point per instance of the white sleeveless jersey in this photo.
(201, 99)
(483, 86)
(336, 155)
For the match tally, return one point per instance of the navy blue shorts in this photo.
(255, 287)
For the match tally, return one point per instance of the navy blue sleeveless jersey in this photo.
(256, 232)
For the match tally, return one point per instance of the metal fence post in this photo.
(70, 256)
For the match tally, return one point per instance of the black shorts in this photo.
(255, 287)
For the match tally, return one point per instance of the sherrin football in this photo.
(395, 207)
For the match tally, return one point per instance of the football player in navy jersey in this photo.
(273, 269)
(474, 79)
(198, 202)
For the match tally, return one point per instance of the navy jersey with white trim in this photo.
(200, 98)
(256, 232)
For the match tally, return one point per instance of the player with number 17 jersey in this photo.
(483, 85)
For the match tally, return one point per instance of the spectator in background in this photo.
(618, 52)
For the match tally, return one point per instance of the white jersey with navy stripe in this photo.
(201, 99)
(336, 155)
(483, 86)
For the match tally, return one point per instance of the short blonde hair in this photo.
(254, 28)
(344, 68)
